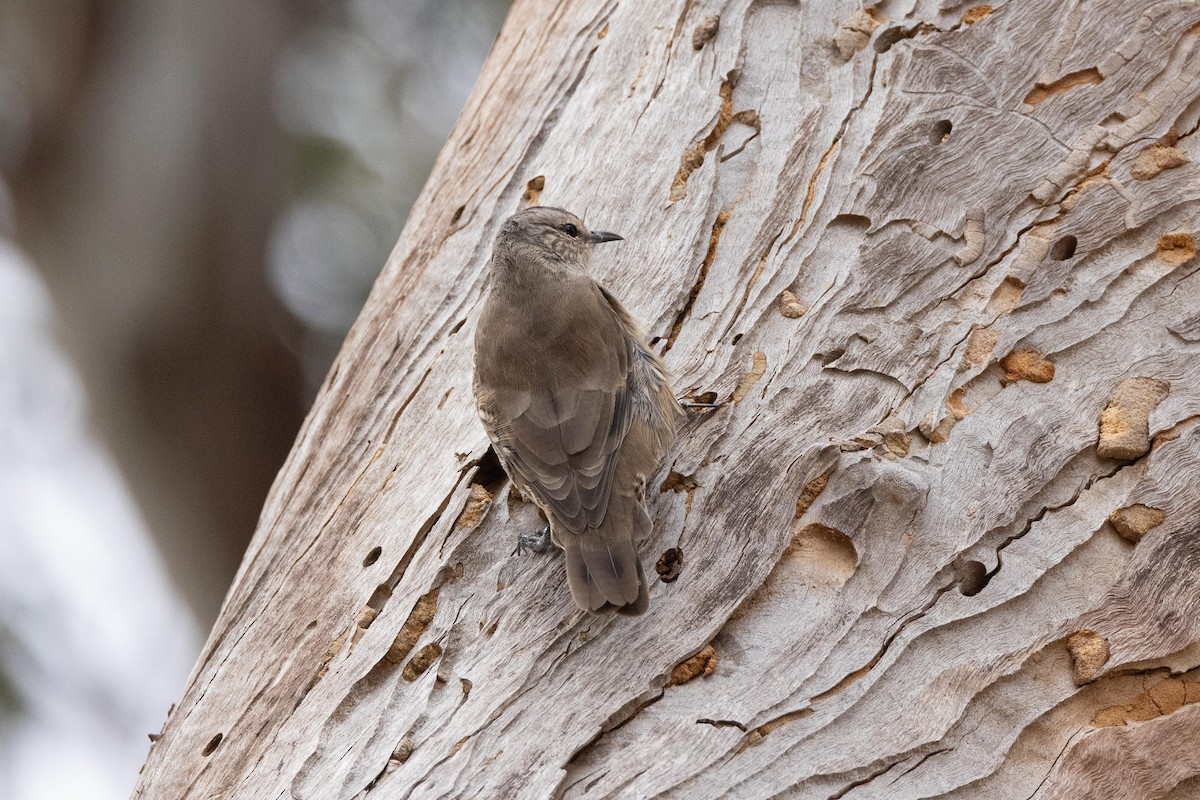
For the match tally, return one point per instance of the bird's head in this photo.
(551, 233)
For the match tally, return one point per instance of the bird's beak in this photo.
(596, 237)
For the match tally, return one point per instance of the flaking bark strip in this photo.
(1136, 521)
(975, 14)
(812, 490)
(702, 664)
(704, 32)
(1165, 697)
(1089, 653)
(693, 157)
(790, 305)
(980, 344)
(709, 255)
(855, 32)
(1125, 422)
(1176, 248)
(757, 368)
(422, 661)
(418, 620)
(1158, 157)
(973, 237)
(478, 503)
(1027, 365)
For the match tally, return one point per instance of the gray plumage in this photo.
(578, 408)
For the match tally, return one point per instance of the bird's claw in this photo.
(538, 541)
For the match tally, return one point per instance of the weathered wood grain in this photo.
(921, 250)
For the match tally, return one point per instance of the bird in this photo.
(578, 408)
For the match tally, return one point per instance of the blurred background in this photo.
(194, 201)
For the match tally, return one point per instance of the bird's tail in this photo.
(603, 568)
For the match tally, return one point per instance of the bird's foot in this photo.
(538, 542)
(691, 404)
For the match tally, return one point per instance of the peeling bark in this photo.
(940, 540)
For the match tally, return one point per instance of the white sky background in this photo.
(94, 643)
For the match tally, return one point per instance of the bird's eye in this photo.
(569, 230)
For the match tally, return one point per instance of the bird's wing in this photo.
(559, 430)
(566, 446)
(651, 399)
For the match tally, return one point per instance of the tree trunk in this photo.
(938, 263)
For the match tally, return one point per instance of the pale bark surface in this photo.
(940, 262)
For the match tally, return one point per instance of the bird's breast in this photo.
(546, 337)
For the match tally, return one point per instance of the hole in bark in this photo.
(372, 556)
(489, 474)
(458, 212)
(212, 745)
(821, 556)
(831, 356)
(940, 131)
(737, 338)
(379, 598)
(854, 222)
(533, 191)
(655, 340)
(1064, 248)
(705, 397)
(887, 38)
(676, 482)
(457, 327)
(669, 565)
(972, 577)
